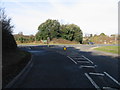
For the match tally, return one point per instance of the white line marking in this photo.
(94, 84)
(83, 61)
(72, 59)
(80, 58)
(112, 78)
(82, 66)
(87, 59)
(99, 74)
(109, 88)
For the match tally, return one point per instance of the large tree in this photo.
(53, 29)
(50, 28)
(71, 32)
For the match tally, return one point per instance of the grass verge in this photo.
(12, 63)
(110, 49)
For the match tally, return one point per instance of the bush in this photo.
(8, 42)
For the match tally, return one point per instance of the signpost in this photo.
(48, 40)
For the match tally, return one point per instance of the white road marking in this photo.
(94, 84)
(109, 88)
(72, 59)
(83, 61)
(99, 74)
(82, 66)
(80, 58)
(112, 78)
(87, 59)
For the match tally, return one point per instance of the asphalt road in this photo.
(55, 68)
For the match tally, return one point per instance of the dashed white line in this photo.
(87, 59)
(99, 74)
(72, 59)
(94, 84)
(112, 78)
(83, 66)
(80, 58)
(109, 88)
(83, 61)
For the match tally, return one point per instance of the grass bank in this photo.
(52, 42)
(110, 49)
(12, 63)
(46, 44)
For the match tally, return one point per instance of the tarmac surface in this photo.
(74, 68)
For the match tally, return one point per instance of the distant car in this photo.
(91, 43)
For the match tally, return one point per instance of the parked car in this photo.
(91, 43)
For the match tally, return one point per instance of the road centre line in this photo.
(87, 59)
(112, 78)
(72, 59)
(93, 83)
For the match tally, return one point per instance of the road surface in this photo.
(55, 68)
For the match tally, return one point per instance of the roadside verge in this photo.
(92, 49)
(13, 64)
(21, 75)
(103, 53)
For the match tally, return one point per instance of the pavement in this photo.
(74, 68)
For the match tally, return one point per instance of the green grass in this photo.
(111, 49)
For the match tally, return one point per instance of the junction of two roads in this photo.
(77, 67)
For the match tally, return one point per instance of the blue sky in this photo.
(92, 16)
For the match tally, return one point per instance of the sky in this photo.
(92, 16)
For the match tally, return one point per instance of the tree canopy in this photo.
(52, 29)
(102, 34)
(71, 32)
